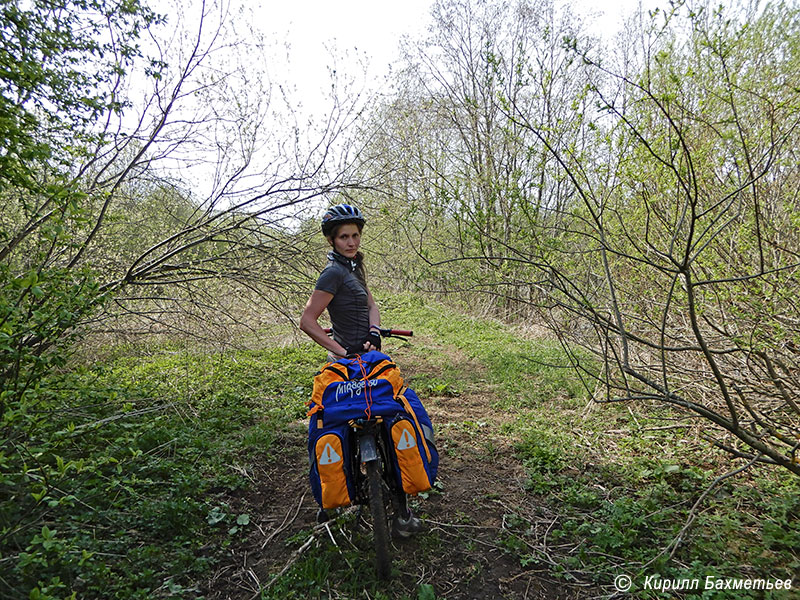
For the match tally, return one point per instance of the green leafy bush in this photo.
(126, 462)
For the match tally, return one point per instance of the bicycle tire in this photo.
(380, 524)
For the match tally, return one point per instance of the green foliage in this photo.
(128, 485)
(628, 511)
(59, 69)
(426, 592)
(128, 459)
(435, 386)
(37, 310)
(642, 208)
(542, 453)
(351, 566)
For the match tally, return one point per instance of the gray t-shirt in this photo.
(349, 308)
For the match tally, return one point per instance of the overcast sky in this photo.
(372, 27)
(310, 29)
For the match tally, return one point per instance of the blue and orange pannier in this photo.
(370, 386)
(331, 472)
(415, 458)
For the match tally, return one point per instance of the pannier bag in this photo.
(330, 473)
(415, 458)
(371, 386)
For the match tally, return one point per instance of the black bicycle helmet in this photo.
(339, 215)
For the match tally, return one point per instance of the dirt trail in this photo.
(464, 552)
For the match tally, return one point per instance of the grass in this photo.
(348, 565)
(135, 474)
(618, 512)
(131, 466)
(623, 497)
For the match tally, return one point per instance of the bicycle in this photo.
(374, 475)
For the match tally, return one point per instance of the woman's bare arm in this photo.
(317, 303)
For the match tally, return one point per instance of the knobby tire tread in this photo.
(380, 525)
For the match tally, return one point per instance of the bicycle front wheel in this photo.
(380, 524)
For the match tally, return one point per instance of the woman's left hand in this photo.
(373, 341)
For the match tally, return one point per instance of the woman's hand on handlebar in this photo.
(398, 333)
(367, 346)
(373, 339)
(370, 343)
(385, 332)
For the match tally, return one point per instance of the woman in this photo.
(342, 289)
(355, 318)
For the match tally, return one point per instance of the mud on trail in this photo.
(468, 550)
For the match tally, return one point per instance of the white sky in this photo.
(372, 27)
(311, 28)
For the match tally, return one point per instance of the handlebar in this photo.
(386, 332)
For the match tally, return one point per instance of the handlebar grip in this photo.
(405, 332)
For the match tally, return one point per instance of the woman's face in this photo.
(347, 239)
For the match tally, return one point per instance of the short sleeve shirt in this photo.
(349, 308)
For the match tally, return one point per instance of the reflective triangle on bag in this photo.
(329, 456)
(406, 442)
(413, 476)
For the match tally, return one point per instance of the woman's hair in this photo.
(361, 271)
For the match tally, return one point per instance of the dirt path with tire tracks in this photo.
(468, 549)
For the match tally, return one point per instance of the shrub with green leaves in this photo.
(116, 490)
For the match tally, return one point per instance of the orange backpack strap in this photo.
(389, 371)
(328, 374)
(411, 412)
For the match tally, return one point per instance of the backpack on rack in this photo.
(365, 387)
(356, 388)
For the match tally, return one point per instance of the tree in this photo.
(61, 69)
(148, 167)
(469, 181)
(638, 199)
(681, 271)
(85, 158)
